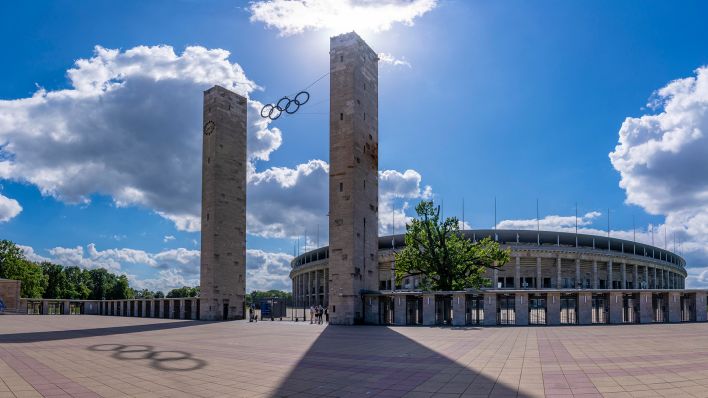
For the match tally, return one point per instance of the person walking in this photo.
(326, 314)
(312, 313)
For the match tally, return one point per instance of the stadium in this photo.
(553, 278)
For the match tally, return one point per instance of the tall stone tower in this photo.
(353, 176)
(223, 255)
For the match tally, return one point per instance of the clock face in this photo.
(209, 127)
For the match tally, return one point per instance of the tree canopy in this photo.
(436, 250)
(54, 281)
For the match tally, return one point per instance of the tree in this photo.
(13, 265)
(121, 289)
(57, 284)
(183, 292)
(256, 296)
(437, 251)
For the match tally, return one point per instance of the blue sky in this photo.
(518, 100)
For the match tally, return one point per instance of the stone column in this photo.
(674, 307)
(584, 308)
(517, 273)
(172, 309)
(181, 308)
(539, 277)
(495, 275)
(399, 313)
(458, 309)
(193, 315)
(553, 308)
(646, 276)
(635, 282)
(326, 287)
(371, 310)
(558, 273)
(521, 309)
(623, 270)
(646, 314)
(616, 306)
(594, 274)
(490, 309)
(609, 274)
(655, 283)
(129, 307)
(317, 288)
(578, 282)
(428, 309)
(65, 307)
(700, 307)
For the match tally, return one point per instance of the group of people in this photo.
(317, 312)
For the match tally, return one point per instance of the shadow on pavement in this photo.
(357, 361)
(33, 337)
(174, 361)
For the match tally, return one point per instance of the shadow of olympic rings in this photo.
(178, 361)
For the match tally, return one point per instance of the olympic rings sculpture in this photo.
(159, 359)
(285, 104)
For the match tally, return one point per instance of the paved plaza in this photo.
(92, 356)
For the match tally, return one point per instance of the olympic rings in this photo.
(285, 104)
(161, 360)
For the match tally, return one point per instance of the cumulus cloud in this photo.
(551, 223)
(128, 127)
(294, 17)
(168, 238)
(266, 270)
(661, 158)
(9, 208)
(390, 59)
(396, 192)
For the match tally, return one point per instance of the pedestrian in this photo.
(326, 313)
(319, 315)
(250, 314)
(312, 313)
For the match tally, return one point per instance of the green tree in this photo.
(436, 251)
(183, 291)
(121, 289)
(57, 284)
(13, 265)
(256, 296)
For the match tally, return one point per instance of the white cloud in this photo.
(29, 253)
(390, 59)
(266, 270)
(551, 223)
(128, 127)
(396, 191)
(9, 208)
(662, 162)
(168, 238)
(337, 16)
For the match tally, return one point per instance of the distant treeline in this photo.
(53, 281)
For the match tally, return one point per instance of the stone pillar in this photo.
(655, 283)
(646, 276)
(553, 308)
(371, 310)
(578, 282)
(616, 307)
(700, 308)
(181, 308)
(623, 271)
(517, 273)
(646, 312)
(399, 313)
(65, 307)
(495, 276)
(674, 307)
(584, 308)
(193, 315)
(521, 309)
(353, 175)
(594, 274)
(129, 307)
(458, 309)
(609, 275)
(326, 287)
(171, 309)
(223, 216)
(490, 309)
(428, 309)
(635, 282)
(539, 276)
(558, 273)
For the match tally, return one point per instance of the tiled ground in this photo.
(91, 356)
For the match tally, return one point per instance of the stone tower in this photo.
(223, 253)
(353, 176)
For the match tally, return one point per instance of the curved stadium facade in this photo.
(552, 278)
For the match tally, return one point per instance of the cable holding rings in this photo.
(285, 104)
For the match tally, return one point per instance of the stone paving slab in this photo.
(94, 356)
